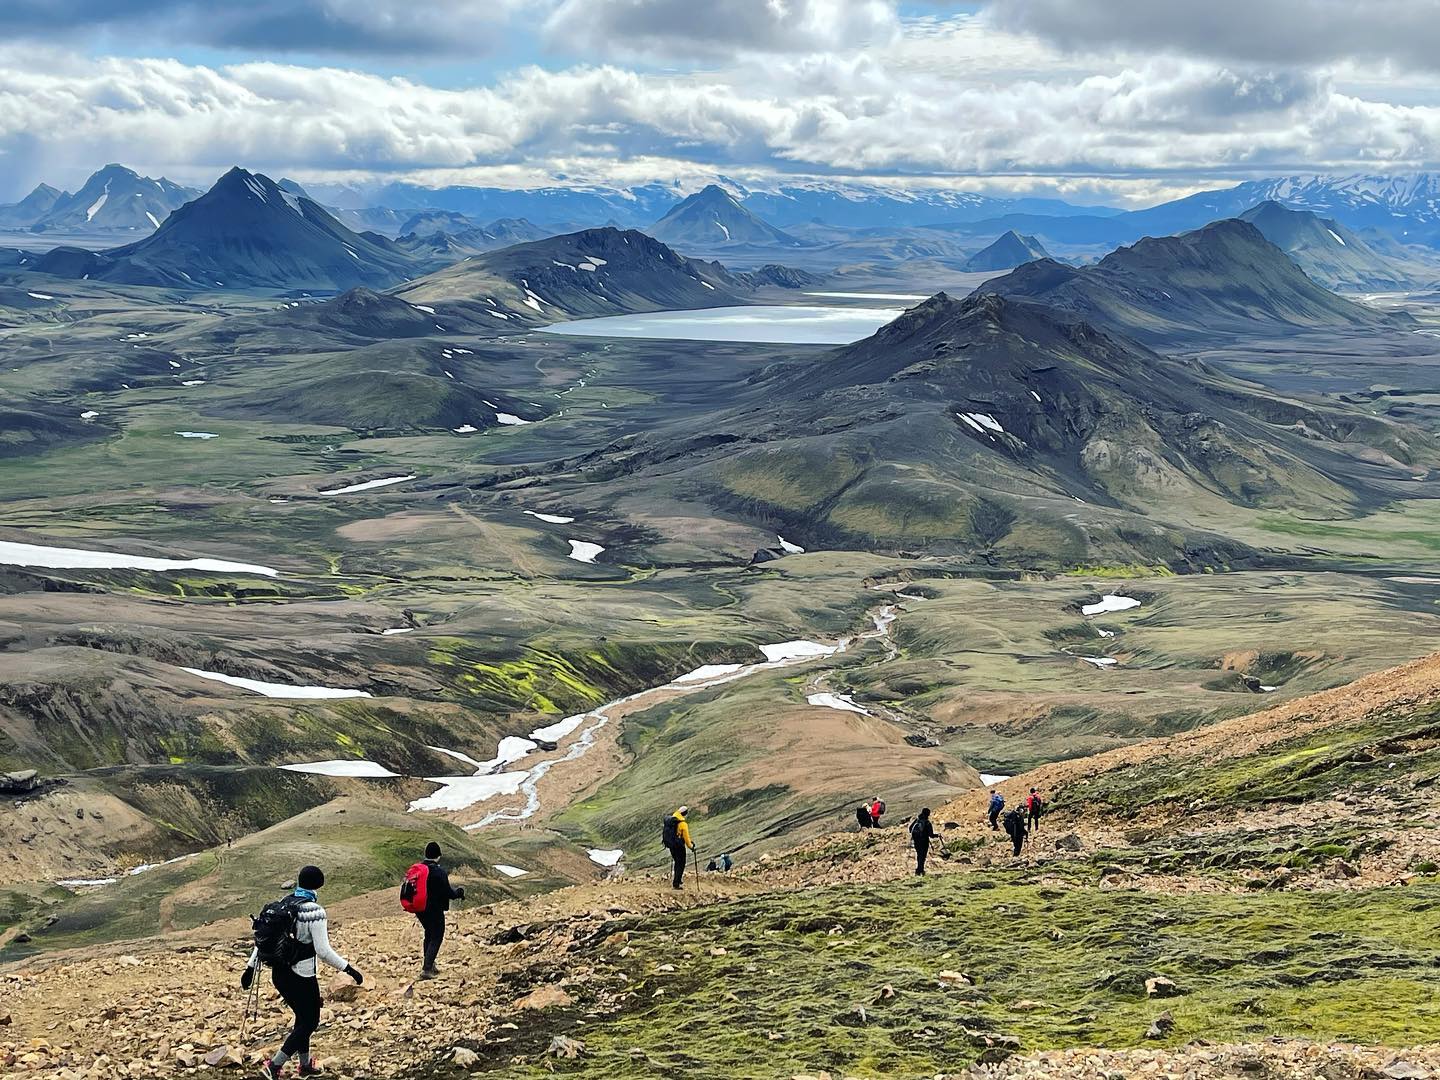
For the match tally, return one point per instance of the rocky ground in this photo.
(1253, 900)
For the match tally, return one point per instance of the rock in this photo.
(1400, 1069)
(544, 998)
(464, 1056)
(1027, 1005)
(1161, 1026)
(1346, 869)
(717, 950)
(886, 993)
(1161, 987)
(562, 1046)
(954, 978)
(222, 1057)
(342, 988)
(511, 936)
(1069, 842)
(4, 1019)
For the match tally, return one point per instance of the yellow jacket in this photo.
(682, 830)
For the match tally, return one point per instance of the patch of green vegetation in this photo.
(770, 986)
(1399, 743)
(1130, 570)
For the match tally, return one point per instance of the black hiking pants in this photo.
(1018, 839)
(995, 816)
(677, 856)
(434, 924)
(1034, 818)
(922, 850)
(302, 994)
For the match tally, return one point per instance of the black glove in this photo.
(246, 978)
(350, 970)
(460, 893)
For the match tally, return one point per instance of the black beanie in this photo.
(432, 850)
(311, 877)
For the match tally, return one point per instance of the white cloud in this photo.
(684, 29)
(1000, 109)
(1292, 32)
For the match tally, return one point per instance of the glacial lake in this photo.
(798, 324)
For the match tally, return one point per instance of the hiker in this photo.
(921, 833)
(427, 892)
(1015, 829)
(1034, 805)
(676, 839)
(997, 803)
(877, 808)
(862, 815)
(720, 864)
(290, 935)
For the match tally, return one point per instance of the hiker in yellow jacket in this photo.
(676, 839)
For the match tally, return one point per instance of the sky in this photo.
(1119, 102)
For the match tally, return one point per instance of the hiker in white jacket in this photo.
(298, 980)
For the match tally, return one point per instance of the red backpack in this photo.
(414, 890)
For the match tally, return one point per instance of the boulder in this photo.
(1161, 1026)
(562, 1046)
(544, 998)
(1069, 842)
(342, 988)
(1161, 987)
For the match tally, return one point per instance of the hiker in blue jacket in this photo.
(997, 804)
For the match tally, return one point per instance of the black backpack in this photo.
(920, 831)
(274, 930)
(1015, 823)
(670, 835)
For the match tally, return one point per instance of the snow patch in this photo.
(795, 650)
(197, 434)
(605, 857)
(465, 429)
(1100, 661)
(276, 690)
(153, 219)
(510, 419)
(553, 519)
(13, 554)
(583, 551)
(96, 205)
(1336, 235)
(390, 631)
(347, 767)
(786, 546)
(369, 485)
(1110, 602)
(842, 702)
(510, 871)
(40, 296)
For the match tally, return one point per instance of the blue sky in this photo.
(1119, 101)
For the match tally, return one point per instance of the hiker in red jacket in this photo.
(1034, 805)
(427, 892)
(877, 807)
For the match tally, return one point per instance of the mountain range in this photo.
(1223, 279)
(114, 197)
(1016, 430)
(245, 232)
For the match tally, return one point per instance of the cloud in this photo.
(1293, 33)
(876, 113)
(685, 29)
(333, 27)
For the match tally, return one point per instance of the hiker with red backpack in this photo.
(877, 810)
(1034, 806)
(426, 893)
(290, 935)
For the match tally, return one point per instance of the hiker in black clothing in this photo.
(1015, 829)
(862, 815)
(301, 936)
(921, 833)
(438, 894)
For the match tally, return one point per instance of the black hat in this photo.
(311, 877)
(432, 850)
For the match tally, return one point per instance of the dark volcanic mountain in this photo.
(116, 198)
(1008, 251)
(712, 217)
(579, 275)
(29, 425)
(1224, 279)
(31, 208)
(246, 233)
(1001, 427)
(1326, 250)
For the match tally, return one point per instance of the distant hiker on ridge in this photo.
(426, 892)
(877, 810)
(290, 934)
(862, 815)
(921, 833)
(676, 838)
(997, 803)
(1015, 829)
(1035, 806)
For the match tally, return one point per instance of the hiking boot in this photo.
(270, 1071)
(429, 973)
(311, 1069)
